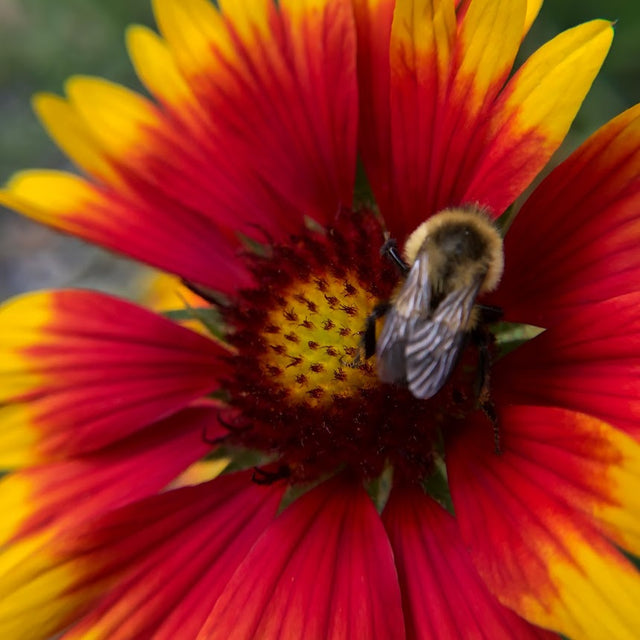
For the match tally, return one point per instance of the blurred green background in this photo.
(42, 42)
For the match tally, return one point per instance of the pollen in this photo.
(317, 339)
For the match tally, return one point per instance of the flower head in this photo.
(333, 517)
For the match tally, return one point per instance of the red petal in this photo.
(69, 493)
(138, 219)
(174, 554)
(373, 23)
(533, 113)
(443, 595)
(588, 363)
(421, 50)
(278, 87)
(455, 133)
(82, 369)
(324, 569)
(255, 130)
(577, 236)
(583, 462)
(487, 41)
(533, 518)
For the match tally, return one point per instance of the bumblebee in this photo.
(449, 260)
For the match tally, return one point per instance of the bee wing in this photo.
(411, 305)
(433, 346)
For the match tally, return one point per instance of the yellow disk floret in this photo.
(314, 337)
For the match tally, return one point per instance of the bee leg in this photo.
(490, 411)
(390, 249)
(481, 336)
(489, 313)
(369, 337)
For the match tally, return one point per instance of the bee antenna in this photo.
(390, 250)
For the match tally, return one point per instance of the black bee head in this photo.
(460, 242)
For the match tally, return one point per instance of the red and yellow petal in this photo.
(589, 362)
(456, 135)
(65, 495)
(486, 45)
(71, 134)
(533, 114)
(154, 174)
(589, 464)
(34, 604)
(421, 52)
(173, 567)
(577, 236)
(179, 547)
(404, 55)
(324, 569)
(117, 118)
(500, 23)
(443, 596)
(157, 69)
(279, 87)
(81, 370)
(482, 59)
(540, 519)
(152, 230)
(255, 129)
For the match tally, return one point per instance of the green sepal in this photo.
(209, 316)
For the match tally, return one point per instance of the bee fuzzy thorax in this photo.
(450, 259)
(460, 242)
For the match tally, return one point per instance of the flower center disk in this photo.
(313, 346)
(302, 391)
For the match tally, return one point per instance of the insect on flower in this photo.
(450, 259)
